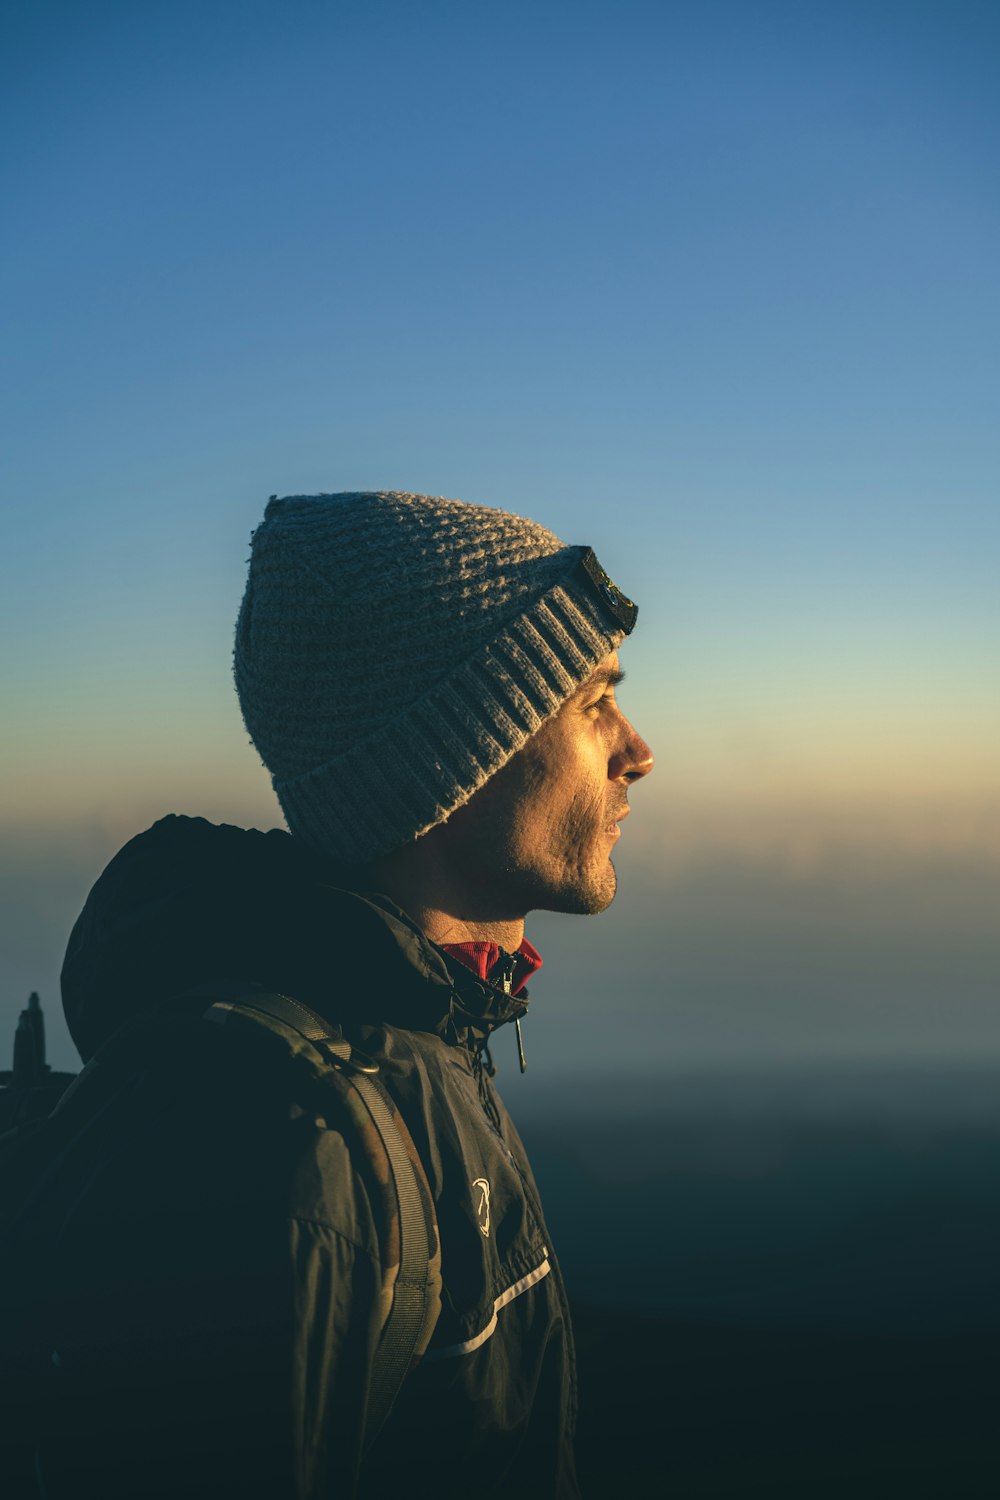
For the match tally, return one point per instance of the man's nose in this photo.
(633, 759)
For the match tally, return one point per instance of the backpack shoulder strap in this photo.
(415, 1289)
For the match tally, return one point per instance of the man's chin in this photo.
(584, 898)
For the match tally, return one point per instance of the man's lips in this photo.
(612, 827)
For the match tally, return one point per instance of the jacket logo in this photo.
(483, 1205)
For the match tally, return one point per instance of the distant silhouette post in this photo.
(32, 1088)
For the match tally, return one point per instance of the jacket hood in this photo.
(190, 902)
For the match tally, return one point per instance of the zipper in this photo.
(482, 1064)
(530, 1195)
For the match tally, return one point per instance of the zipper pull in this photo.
(508, 961)
(520, 1045)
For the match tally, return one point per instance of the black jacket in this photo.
(218, 1296)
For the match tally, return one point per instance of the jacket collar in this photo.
(415, 983)
(189, 903)
(491, 962)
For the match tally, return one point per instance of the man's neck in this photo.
(442, 927)
(447, 907)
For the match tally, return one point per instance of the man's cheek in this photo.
(576, 822)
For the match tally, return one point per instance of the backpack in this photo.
(48, 1158)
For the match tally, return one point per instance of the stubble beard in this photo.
(583, 886)
(590, 899)
(517, 865)
(582, 893)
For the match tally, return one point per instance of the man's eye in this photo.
(604, 698)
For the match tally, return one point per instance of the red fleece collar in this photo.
(482, 957)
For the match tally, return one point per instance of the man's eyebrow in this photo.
(610, 676)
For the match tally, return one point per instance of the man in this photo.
(432, 687)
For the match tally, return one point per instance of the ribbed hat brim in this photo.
(416, 770)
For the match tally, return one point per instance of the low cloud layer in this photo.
(812, 941)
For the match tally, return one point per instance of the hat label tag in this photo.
(618, 604)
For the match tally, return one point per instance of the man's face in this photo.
(539, 834)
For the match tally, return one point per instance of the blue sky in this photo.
(712, 288)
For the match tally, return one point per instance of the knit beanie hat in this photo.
(393, 651)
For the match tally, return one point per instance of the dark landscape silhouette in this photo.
(783, 1284)
(792, 1288)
